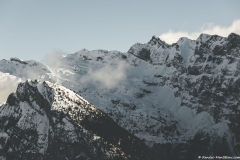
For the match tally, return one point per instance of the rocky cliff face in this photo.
(47, 121)
(204, 77)
(180, 99)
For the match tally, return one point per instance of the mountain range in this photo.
(156, 101)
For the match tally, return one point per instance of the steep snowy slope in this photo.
(180, 98)
(47, 121)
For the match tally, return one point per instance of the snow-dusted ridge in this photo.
(43, 120)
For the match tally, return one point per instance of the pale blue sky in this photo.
(30, 29)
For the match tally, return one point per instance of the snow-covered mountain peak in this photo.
(84, 50)
(203, 37)
(233, 35)
(25, 69)
(17, 59)
(234, 40)
(30, 62)
(183, 40)
(156, 40)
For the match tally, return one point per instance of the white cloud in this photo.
(53, 59)
(172, 37)
(8, 84)
(108, 75)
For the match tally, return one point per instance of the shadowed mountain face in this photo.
(182, 99)
(47, 121)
